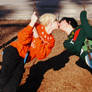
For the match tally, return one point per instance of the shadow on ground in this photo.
(82, 64)
(37, 71)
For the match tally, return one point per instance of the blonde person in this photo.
(47, 23)
(35, 39)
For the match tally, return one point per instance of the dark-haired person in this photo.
(68, 24)
(76, 35)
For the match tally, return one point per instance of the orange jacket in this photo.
(38, 47)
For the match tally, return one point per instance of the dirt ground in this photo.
(59, 72)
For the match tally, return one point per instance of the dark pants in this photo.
(12, 70)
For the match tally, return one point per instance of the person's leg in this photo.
(11, 60)
(14, 82)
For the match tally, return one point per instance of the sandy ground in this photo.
(59, 72)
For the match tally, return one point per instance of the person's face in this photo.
(52, 26)
(63, 24)
(66, 27)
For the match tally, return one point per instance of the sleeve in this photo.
(86, 26)
(73, 48)
(83, 18)
(69, 46)
(44, 48)
(25, 35)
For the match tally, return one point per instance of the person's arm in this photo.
(43, 48)
(83, 18)
(86, 26)
(25, 35)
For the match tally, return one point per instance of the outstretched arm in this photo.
(86, 26)
(25, 35)
(83, 18)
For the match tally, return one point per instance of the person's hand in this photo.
(35, 33)
(34, 19)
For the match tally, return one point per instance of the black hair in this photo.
(71, 21)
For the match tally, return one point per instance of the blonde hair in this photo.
(46, 18)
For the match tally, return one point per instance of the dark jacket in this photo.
(86, 26)
(88, 33)
(79, 46)
(75, 46)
